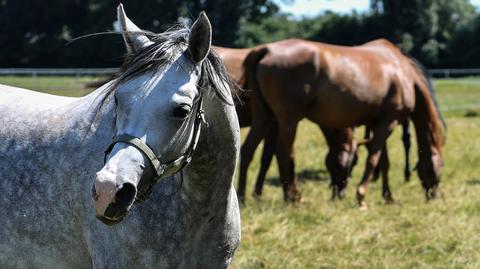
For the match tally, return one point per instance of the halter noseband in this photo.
(161, 168)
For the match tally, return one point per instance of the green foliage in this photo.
(35, 32)
(464, 49)
(424, 28)
(270, 29)
(440, 33)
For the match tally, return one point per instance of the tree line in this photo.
(39, 33)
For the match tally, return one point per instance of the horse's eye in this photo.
(181, 111)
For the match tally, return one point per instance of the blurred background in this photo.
(443, 34)
(440, 33)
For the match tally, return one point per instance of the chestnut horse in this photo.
(340, 87)
(342, 146)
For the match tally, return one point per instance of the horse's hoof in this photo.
(360, 193)
(294, 197)
(342, 194)
(432, 193)
(389, 200)
(334, 194)
(291, 194)
(361, 198)
(387, 197)
(257, 196)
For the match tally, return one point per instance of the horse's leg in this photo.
(406, 146)
(337, 161)
(262, 120)
(286, 161)
(380, 134)
(367, 137)
(270, 142)
(385, 165)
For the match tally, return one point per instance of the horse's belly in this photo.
(341, 113)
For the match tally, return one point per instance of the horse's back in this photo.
(324, 79)
(24, 98)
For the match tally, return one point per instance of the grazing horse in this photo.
(342, 146)
(174, 139)
(339, 87)
(342, 153)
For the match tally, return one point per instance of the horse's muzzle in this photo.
(112, 204)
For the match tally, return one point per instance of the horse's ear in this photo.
(200, 38)
(133, 36)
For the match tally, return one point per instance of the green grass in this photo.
(458, 97)
(62, 85)
(318, 233)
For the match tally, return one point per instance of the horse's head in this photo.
(429, 169)
(158, 114)
(341, 159)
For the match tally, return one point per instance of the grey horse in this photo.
(161, 196)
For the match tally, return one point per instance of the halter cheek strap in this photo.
(167, 168)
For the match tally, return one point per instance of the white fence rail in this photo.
(57, 71)
(439, 73)
(460, 72)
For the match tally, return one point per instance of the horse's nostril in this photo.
(126, 194)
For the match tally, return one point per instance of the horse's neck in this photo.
(57, 123)
(210, 175)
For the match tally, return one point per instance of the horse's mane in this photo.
(163, 50)
(428, 82)
(438, 122)
(165, 46)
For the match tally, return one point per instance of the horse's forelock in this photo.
(163, 51)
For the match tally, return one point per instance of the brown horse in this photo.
(342, 146)
(233, 60)
(340, 87)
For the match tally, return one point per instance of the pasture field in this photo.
(318, 233)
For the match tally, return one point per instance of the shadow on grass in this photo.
(474, 181)
(320, 175)
(314, 175)
(471, 113)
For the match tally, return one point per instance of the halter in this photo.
(161, 168)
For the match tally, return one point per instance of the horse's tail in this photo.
(425, 102)
(249, 76)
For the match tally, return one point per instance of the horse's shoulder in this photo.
(381, 42)
(382, 45)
